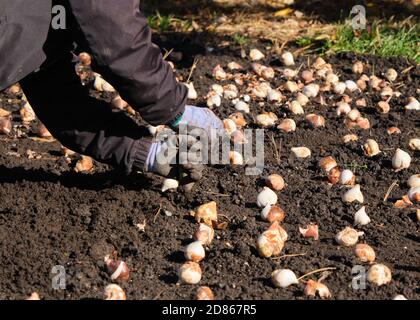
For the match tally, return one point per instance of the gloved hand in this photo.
(203, 118)
(176, 156)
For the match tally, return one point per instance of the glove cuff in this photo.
(141, 153)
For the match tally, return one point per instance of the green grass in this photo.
(240, 40)
(381, 39)
(165, 23)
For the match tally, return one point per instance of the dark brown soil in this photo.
(51, 216)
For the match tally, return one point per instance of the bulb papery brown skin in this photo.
(393, 130)
(273, 213)
(343, 108)
(256, 55)
(287, 125)
(307, 76)
(371, 148)
(207, 213)
(316, 121)
(235, 158)
(391, 75)
(117, 269)
(271, 242)
(234, 66)
(295, 107)
(43, 131)
(230, 126)
(114, 292)
(414, 181)
(85, 58)
(291, 86)
(190, 273)
(275, 182)
(311, 231)
(85, 164)
(365, 253)
(266, 119)
(327, 163)
(334, 175)
(348, 237)
(379, 274)
(204, 293)
(238, 119)
(301, 152)
(204, 234)
(314, 287)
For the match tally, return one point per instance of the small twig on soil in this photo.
(157, 213)
(159, 294)
(407, 69)
(276, 152)
(391, 187)
(193, 67)
(224, 216)
(316, 271)
(289, 256)
(167, 54)
(216, 194)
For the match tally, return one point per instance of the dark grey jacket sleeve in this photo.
(120, 41)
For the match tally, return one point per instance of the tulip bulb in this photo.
(289, 73)
(271, 242)
(314, 287)
(354, 114)
(327, 163)
(383, 107)
(190, 273)
(379, 274)
(399, 297)
(192, 93)
(311, 90)
(5, 125)
(235, 158)
(371, 148)
(364, 253)
(272, 213)
(204, 293)
(316, 121)
(256, 55)
(307, 76)
(334, 175)
(349, 138)
(217, 88)
(413, 104)
(238, 119)
(391, 75)
(204, 234)
(291, 86)
(287, 125)
(85, 164)
(353, 194)
(343, 108)
(295, 107)
(213, 100)
(348, 237)
(170, 184)
(118, 103)
(302, 99)
(207, 213)
(195, 252)
(34, 296)
(301, 152)
(27, 113)
(274, 95)
(242, 106)
(230, 126)
(361, 218)
(230, 91)
(117, 269)
(357, 67)
(393, 130)
(340, 88)
(114, 292)
(283, 278)
(219, 73)
(275, 182)
(401, 160)
(414, 144)
(287, 59)
(311, 231)
(266, 119)
(266, 197)
(414, 194)
(351, 86)
(234, 66)
(347, 177)
(414, 181)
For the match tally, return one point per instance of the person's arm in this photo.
(120, 41)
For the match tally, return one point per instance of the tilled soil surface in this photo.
(51, 216)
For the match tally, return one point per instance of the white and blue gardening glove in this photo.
(203, 118)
